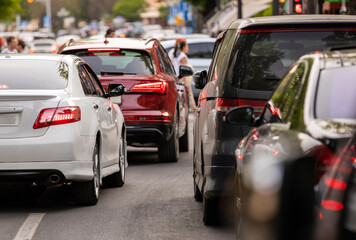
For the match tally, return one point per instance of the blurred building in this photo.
(152, 14)
(221, 19)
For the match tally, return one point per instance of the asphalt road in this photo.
(156, 202)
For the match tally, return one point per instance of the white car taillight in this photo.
(56, 116)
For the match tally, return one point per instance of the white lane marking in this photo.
(29, 227)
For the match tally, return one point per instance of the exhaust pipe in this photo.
(54, 178)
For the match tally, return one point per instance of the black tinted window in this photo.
(87, 84)
(121, 61)
(261, 58)
(33, 74)
(200, 50)
(165, 62)
(336, 96)
(285, 96)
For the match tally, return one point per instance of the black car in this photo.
(336, 215)
(250, 57)
(308, 119)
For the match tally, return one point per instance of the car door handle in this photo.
(95, 106)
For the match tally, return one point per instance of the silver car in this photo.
(58, 125)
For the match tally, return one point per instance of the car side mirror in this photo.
(116, 89)
(240, 116)
(185, 71)
(200, 79)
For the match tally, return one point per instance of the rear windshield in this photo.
(33, 74)
(336, 96)
(121, 62)
(262, 57)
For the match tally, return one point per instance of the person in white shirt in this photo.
(11, 45)
(179, 57)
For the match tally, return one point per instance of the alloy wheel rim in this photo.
(122, 160)
(96, 174)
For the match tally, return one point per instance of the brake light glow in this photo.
(335, 183)
(157, 87)
(332, 205)
(298, 8)
(56, 116)
(295, 30)
(4, 86)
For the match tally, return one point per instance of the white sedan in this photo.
(58, 125)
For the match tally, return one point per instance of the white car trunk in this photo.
(19, 110)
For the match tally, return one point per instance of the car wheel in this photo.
(87, 193)
(184, 140)
(197, 194)
(169, 151)
(237, 216)
(117, 179)
(210, 216)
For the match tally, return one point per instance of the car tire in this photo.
(87, 193)
(210, 216)
(117, 179)
(197, 193)
(184, 140)
(168, 151)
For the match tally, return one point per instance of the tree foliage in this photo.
(130, 9)
(9, 9)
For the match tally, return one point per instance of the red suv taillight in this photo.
(56, 116)
(224, 105)
(157, 87)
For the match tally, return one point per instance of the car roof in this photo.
(131, 43)
(292, 20)
(338, 58)
(39, 56)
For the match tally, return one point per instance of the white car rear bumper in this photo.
(67, 152)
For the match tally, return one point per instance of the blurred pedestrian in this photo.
(21, 46)
(110, 33)
(179, 57)
(11, 45)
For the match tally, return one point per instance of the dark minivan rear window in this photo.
(262, 57)
(33, 74)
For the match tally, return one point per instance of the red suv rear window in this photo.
(119, 61)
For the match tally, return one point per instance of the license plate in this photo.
(9, 119)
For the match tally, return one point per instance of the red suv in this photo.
(155, 104)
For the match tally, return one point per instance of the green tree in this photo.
(130, 9)
(9, 9)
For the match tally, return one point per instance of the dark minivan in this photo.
(250, 57)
